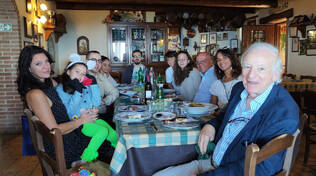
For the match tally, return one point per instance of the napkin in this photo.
(209, 150)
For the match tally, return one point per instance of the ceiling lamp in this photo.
(43, 7)
(43, 19)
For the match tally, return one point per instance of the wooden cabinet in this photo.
(124, 38)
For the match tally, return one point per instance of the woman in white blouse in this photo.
(105, 70)
(227, 70)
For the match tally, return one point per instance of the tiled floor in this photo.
(12, 163)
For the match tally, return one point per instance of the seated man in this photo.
(130, 75)
(204, 63)
(170, 58)
(108, 92)
(258, 111)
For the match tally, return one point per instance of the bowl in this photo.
(200, 108)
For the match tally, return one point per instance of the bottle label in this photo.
(148, 94)
(159, 85)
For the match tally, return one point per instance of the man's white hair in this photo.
(277, 67)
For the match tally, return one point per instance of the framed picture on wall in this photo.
(225, 36)
(302, 47)
(203, 39)
(233, 43)
(295, 44)
(40, 40)
(213, 38)
(293, 31)
(82, 45)
(28, 28)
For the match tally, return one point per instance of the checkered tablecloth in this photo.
(140, 135)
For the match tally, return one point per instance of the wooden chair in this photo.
(312, 78)
(309, 98)
(57, 166)
(290, 75)
(255, 155)
(117, 76)
(292, 151)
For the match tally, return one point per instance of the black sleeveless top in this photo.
(74, 142)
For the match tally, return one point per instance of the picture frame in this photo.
(225, 36)
(293, 31)
(213, 38)
(310, 49)
(233, 43)
(295, 44)
(220, 36)
(28, 28)
(27, 43)
(28, 6)
(302, 47)
(82, 45)
(311, 36)
(203, 38)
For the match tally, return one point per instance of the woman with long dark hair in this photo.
(227, 70)
(37, 90)
(187, 79)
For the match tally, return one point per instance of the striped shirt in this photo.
(238, 121)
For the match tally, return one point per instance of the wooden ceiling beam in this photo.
(161, 8)
(84, 4)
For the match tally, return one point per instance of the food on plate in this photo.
(135, 116)
(134, 96)
(175, 120)
(196, 105)
(134, 108)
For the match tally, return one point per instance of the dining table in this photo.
(148, 146)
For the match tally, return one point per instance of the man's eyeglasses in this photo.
(201, 62)
(137, 56)
(239, 119)
(96, 60)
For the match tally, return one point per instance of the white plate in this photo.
(124, 116)
(129, 93)
(137, 108)
(207, 108)
(189, 124)
(164, 115)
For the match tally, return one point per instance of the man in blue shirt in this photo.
(204, 63)
(258, 110)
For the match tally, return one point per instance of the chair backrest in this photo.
(255, 155)
(308, 77)
(38, 131)
(293, 150)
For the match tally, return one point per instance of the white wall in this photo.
(82, 23)
(301, 64)
(297, 64)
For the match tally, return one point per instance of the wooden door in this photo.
(258, 33)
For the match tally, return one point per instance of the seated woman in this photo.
(80, 92)
(105, 70)
(227, 70)
(36, 88)
(186, 78)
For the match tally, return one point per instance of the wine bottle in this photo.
(148, 89)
